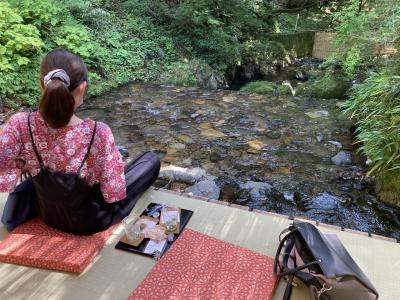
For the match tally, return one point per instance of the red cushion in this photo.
(201, 267)
(36, 244)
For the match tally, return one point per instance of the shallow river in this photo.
(284, 143)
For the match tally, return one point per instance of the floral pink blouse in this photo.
(62, 150)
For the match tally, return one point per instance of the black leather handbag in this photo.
(20, 204)
(322, 263)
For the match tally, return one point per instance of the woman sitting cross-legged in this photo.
(81, 184)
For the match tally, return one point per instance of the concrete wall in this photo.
(307, 43)
(324, 44)
(299, 44)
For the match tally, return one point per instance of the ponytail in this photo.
(61, 73)
(57, 104)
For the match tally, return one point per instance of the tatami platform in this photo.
(116, 273)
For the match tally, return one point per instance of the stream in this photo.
(286, 154)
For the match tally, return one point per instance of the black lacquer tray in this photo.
(184, 219)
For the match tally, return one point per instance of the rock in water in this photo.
(318, 114)
(174, 173)
(123, 151)
(256, 144)
(205, 188)
(261, 190)
(343, 158)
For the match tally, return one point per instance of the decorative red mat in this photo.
(201, 267)
(37, 245)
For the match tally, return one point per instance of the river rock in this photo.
(324, 201)
(229, 98)
(261, 190)
(212, 133)
(206, 188)
(342, 158)
(215, 157)
(318, 114)
(123, 151)
(256, 144)
(178, 146)
(175, 173)
(337, 144)
(273, 135)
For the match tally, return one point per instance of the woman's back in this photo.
(63, 150)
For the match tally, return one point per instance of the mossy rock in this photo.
(387, 187)
(261, 87)
(331, 85)
(266, 87)
(283, 90)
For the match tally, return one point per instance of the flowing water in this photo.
(285, 141)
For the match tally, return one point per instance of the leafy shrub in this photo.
(19, 50)
(375, 105)
(74, 37)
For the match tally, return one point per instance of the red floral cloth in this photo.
(35, 244)
(201, 267)
(62, 150)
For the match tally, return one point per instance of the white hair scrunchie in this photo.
(59, 74)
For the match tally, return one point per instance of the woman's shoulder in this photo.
(18, 121)
(104, 131)
(19, 117)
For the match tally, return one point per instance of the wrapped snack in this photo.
(157, 233)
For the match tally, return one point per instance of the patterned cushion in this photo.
(35, 244)
(201, 267)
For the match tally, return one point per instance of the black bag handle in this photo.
(281, 244)
(288, 272)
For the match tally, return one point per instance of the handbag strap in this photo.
(89, 148)
(33, 142)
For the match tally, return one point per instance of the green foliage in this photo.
(361, 33)
(44, 13)
(215, 30)
(180, 74)
(262, 52)
(118, 43)
(20, 45)
(19, 42)
(375, 105)
(74, 37)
